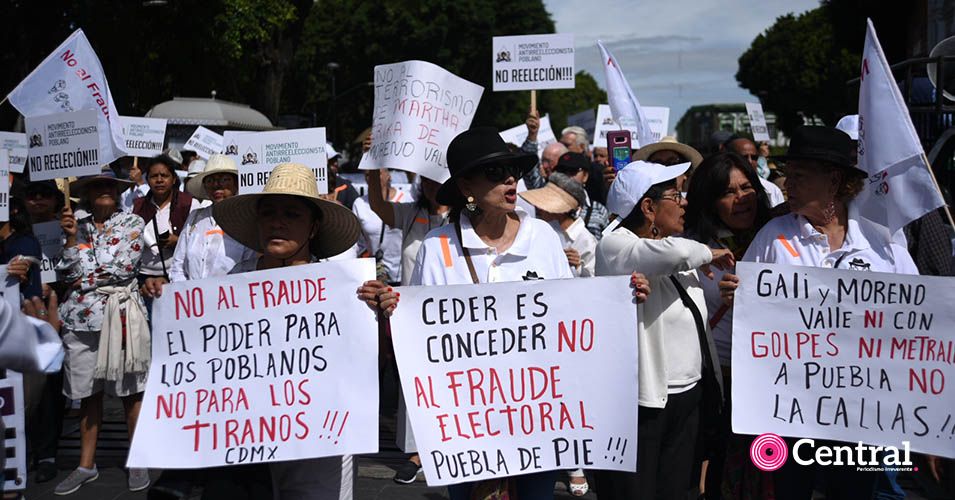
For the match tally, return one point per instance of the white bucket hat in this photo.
(217, 164)
(634, 180)
(338, 230)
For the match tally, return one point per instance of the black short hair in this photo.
(708, 185)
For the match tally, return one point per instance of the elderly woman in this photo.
(824, 229)
(594, 214)
(678, 381)
(558, 204)
(290, 224)
(104, 320)
(164, 210)
(726, 206)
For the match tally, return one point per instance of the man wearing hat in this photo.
(594, 214)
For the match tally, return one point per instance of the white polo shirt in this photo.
(791, 239)
(204, 250)
(415, 223)
(535, 254)
(577, 236)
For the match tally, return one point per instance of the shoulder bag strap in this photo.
(467, 254)
(700, 328)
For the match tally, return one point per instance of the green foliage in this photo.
(798, 68)
(251, 21)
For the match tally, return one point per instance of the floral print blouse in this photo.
(107, 257)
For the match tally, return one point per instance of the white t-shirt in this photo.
(374, 236)
(128, 197)
(536, 253)
(415, 223)
(577, 236)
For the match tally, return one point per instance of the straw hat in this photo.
(669, 143)
(217, 164)
(337, 232)
(78, 187)
(551, 198)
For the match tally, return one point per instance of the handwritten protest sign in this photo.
(419, 108)
(845, 355)
(63, 145)
(4, 185)
(257, 153)
(144, 136)
(757, 121)
(50, 235)
(530, 62)
(545, 135)
(512, 378)
(11, 403)
(16, 145)
(204, 142)
(261, 367)
(658, 118)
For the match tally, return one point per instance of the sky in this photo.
(676, 53)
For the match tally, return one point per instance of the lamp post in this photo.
(332, 67)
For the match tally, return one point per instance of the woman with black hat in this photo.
(104, 319)
(824, 229)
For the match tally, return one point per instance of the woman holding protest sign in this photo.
(726, 206)
(290, 224)
(106, 335)
(677, 369)
(824, 229)
(164, 210)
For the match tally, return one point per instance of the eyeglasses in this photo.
(674, 197)
(499, 173)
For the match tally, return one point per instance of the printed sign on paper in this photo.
(419, 108)
(757, 121)
(16, 145)
(530, 62)
(204, 142)
(513, 378)
(847, 355)
(144, 136)
(658, 118)
(257, 153)
(263, 366)
(63, 145)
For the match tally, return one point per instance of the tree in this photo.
(798, 69)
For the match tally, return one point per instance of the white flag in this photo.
(624, 105)
(72, 79)
(900, 187)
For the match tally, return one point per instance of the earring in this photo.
(471, 206)
(829, 213)
(654, 230)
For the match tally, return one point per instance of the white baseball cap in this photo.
(330, 151)
(634, 180)
(850, 125)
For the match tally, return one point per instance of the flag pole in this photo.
(3, 101)
(931, 172)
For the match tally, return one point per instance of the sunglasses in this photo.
(499, 173)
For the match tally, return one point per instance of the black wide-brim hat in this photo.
(818, 143)
(475, 148)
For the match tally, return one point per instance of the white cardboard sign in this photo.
(419, 108)
(257, 153)
(757, 121)
(263, 366)
(50, 235)
(529, 62)
(204, 142)
(658, 118)
(63, 145)
(16, 144)
(847, 355)
(144, 136)
(506, 379)
(545, 135)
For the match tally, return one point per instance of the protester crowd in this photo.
(674, 219)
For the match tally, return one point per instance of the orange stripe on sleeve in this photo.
(446, 250)
(421, 220)
(399, 196)
(792, 251)
(214, 231)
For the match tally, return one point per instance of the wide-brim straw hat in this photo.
(78, 187)
(339, 227)
(669, 143)
(217, 164)
(550, 198)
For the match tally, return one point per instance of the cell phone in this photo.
(618, 144)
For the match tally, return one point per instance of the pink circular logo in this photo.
(768, 452)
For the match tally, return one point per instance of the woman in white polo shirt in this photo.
(677, 369)
(824, 229)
